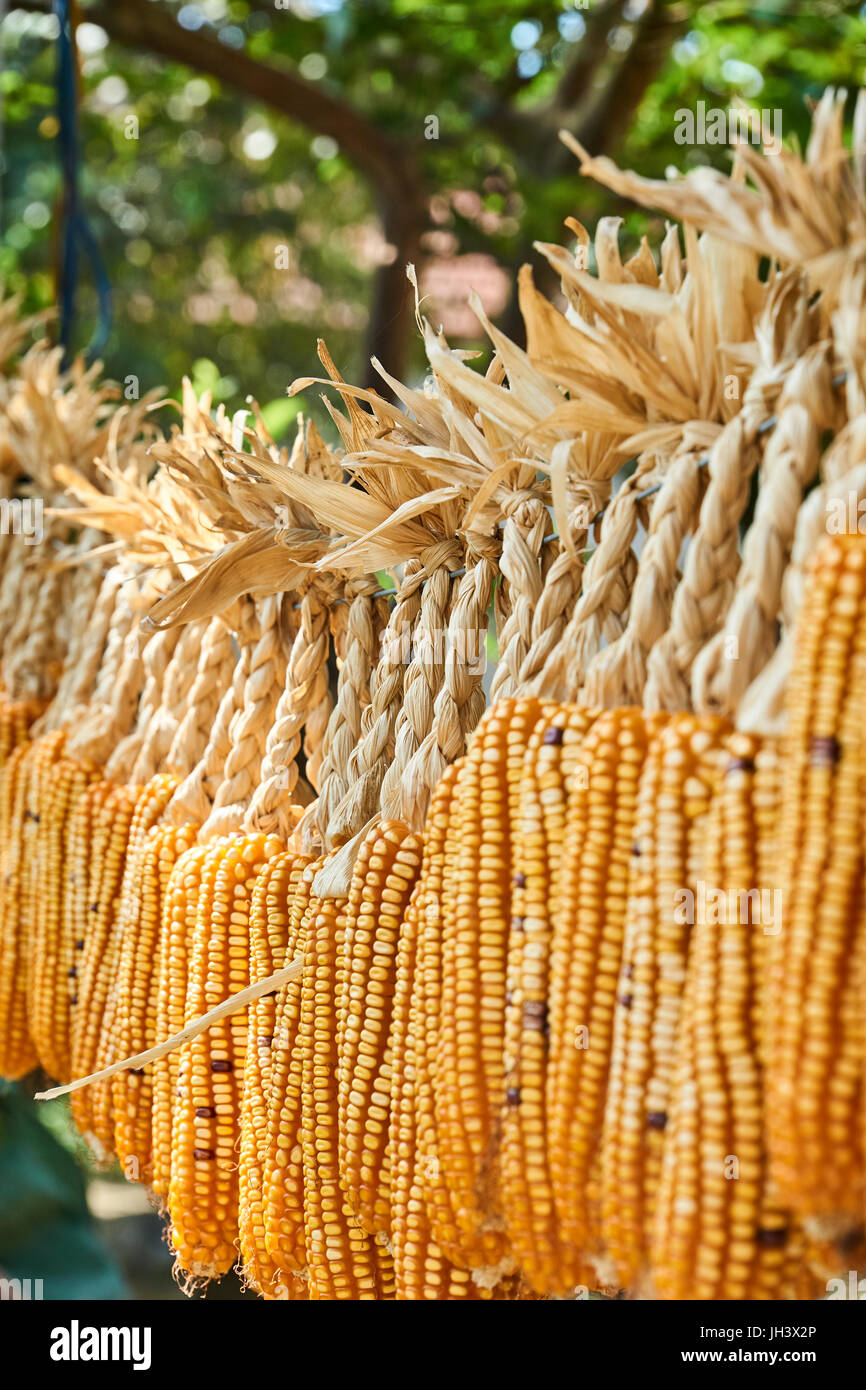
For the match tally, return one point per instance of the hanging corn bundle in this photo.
(394, 977)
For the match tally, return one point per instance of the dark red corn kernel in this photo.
(203, 1153)
(824, 751)
(774, 1239)
(851, 1240)
(535, 1016)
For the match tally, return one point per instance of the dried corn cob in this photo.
(438, 878)
(468, 1075)
(421, 1270)
(136, 1004)
(719, 1229)
(52, 967)
(150, 803)
(341, 1258)
(101, 820)
(550, 765)
(814, 1015)
(673, 799)
(382, 882)
(23, 777)
(17, 1050)
(176, 931)
(203, 1190)
(269, 935)
(585, 960)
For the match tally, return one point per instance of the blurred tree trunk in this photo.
(596, 99)
(390, 167)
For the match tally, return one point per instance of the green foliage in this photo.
(46, 1231)
(234, 237)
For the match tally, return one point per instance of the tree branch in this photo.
(589, 54)
(144, 25)
(390, 168)
(602, 126)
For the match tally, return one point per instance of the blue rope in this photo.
(76, 231)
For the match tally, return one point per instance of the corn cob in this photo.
(421, 1269)
(585, 954)
(673, 798)
(177, 926)
(269, 936)
(117, 902)
(341, 1258)
(282, 1177)
(113, 888)
(550, 765)
(16, 716)
(814, 1013)
(719, 1230)
(439, 880)
(469, 1083)
(23, 776)
(382, 882)
(52, 971)
(203, 1190)
(101, 822)
(135, 1006)
(17, 1050)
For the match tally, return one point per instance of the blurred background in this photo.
(257, 174)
